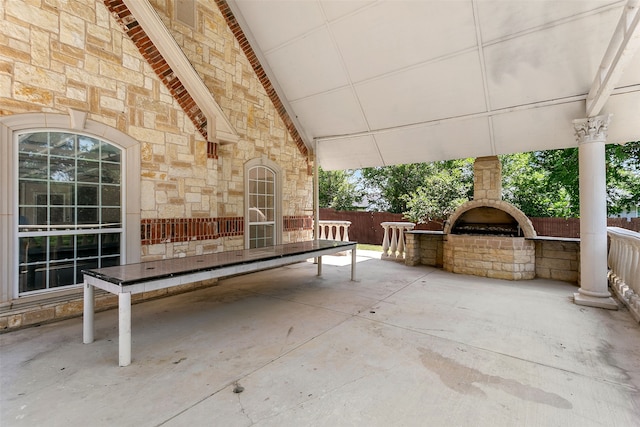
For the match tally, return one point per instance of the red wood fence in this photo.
(365, 226)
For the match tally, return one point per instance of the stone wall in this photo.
(511, 258)
(424, 247)
(558, 259)
(59, 55)
(555, 258)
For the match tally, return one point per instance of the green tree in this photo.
(387, 187)
(622, 169)
(439, 196)
(527, 186)
(338, 190)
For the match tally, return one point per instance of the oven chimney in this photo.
(487, 178)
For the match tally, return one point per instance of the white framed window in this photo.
(70, 207)
(263, 217)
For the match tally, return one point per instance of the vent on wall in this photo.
(185, 12)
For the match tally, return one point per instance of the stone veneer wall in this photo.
(555, 258)
(61, 55)
(424, 247)
(558, 259)
(511, 258)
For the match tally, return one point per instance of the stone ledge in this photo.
(47, 311)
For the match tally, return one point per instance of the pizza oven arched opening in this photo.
(485, 220)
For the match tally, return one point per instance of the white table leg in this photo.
(124, 328)
(319, 265)
(87, 316)
(353, 264)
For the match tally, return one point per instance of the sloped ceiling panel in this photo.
(450, 140)
(396, 81)
(355, 153)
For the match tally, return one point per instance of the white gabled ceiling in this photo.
(399, 81)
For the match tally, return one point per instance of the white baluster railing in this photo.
(341, 230)
(624, 267)
(393, 241)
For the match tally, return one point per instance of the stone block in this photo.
(555, 264)
(505, 275)
(14, 321)
(564, 275)
(543, 272)
(561, 254)
(37, 316)
(69, 309)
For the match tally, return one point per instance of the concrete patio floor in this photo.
(403, 346)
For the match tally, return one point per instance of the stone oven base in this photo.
(511, 258)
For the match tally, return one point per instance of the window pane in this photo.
(110, 195)
(85, 264)
(61, 247)
(110, 261)
(34, 143)
(62, 274)
(88, 171)
(41, 217)
(32, 277)
(62, 215)
(111, 173)
(87, 195)
(62, 144)
(62, 169)
(111, 244)
(88, 148)
(60, 186)
(111, 216)
(87, 216)
(110, 153)
(29, 190)
(32, 166)
(87, 245)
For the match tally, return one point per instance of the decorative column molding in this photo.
(592, 129)
(591, 134)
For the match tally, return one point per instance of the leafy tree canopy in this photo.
(622, 169)
(339, 190)
(541, 184)
(387, 187)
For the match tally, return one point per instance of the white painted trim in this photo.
(623, 46)
(277, 171)
(180, 64)
(9, 125)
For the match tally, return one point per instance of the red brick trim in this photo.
(260, 73)
(160, 66)
(296, 223)
(167, 230)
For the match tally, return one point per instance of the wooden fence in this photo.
(365, 226)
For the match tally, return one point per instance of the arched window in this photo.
(70, 207)
(262, 212)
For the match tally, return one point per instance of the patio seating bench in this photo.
(128, 279)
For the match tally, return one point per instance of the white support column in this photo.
(124, 328)
(88, 314)
(592, 135)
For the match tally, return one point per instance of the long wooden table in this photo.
(128, 279)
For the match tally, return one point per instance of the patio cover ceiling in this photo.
(388, 82)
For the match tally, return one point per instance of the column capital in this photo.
(592, 129)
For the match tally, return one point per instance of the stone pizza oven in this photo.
(488, 236)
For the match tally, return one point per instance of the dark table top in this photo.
(130, 274)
